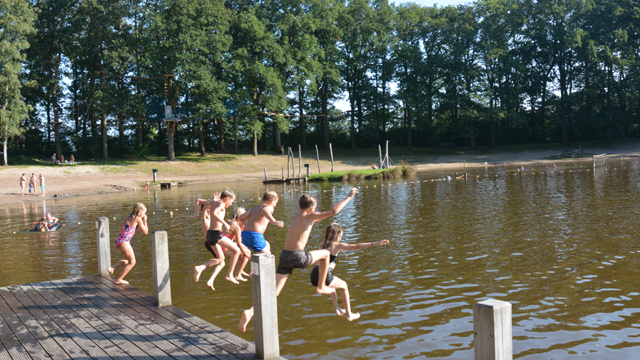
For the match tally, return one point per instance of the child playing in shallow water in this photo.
(331, 242)
(137, 218)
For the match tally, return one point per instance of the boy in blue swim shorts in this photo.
(256, 220)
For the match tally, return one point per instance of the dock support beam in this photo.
(104, 251)
(265, 304)
(492, 330)
(160, 264)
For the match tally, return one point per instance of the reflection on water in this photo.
(559, 244)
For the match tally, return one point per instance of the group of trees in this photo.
(93, 76)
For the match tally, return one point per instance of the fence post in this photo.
(104, 251)
(492, 330)
(265, 174)
(331, 152)
(265, 304)
(318, 158)
(160, 264)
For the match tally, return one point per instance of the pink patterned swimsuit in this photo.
(126, 233)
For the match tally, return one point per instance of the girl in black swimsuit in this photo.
(331, 242)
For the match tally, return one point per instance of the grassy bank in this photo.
(404, 169)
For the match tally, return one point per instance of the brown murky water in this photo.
(560, 244)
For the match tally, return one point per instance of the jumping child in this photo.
(235, 234)
(331, 242)
(293, 255)
(138, 217)
(215, 238)
(256, 220)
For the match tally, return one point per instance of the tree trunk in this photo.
(201, 139)
(235, 135)
(325, 118)
(278, 139)
(609, 105)
(303, 139)
(121, 133)
(171, 125)
(221, 134)
(105, 150)
(352, 128)
(4, 150)
(492, 121)
(472, 136)
(255, 142)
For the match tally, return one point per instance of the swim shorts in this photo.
(213, 236)
(315, 274)
(293, 259)
(42, 187)
(254, 240)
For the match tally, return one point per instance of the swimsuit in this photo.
(293, 259)
(315, 273)
(126, 234)
(213, 236)
(254, 240)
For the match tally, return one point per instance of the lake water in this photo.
(560, 244)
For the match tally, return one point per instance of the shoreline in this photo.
(83, 180)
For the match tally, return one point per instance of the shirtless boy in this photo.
(293, 255)
(213, 225)
(256, 220)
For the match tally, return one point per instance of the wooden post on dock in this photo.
(492, 330)
(160, 264)
(265, 174)
(331, 152)
(265, 304)
(386, 155)
(299, 160)
(318, 159)
(104, 251)
(380, 158)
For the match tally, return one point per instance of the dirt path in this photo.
(70, 181)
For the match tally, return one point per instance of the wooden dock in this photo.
(284, 181)
(91, 317)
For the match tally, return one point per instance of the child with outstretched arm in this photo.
(332, 242)
(137, 218)
(215, 211)
(293, 255)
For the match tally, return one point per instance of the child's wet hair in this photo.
(237, 212)
(137, 209)
(331, 235)
(269, 195)
(307, 201)
(228, 194)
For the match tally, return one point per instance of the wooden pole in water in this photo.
(160, 264)
(288, 152)
(492, 330)
(380, 158)
(331, 152)
(299, 160)
(283, 174)
(386, 156)
(265, 304)
(104, 251)
(265, 174)
(318, 159)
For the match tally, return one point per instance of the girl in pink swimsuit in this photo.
(138, 217)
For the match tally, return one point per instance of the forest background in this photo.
(96, 78)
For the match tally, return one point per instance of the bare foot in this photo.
(353, 316)
(240, 278)
(232, 279)
(210, 285)
(340, 312)
(111, 270)
(244, 320)
(122, 282)
(244, 274)
(325, 290)
(197, 271)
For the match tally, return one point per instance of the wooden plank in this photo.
(23, 311)
(136, 323)
(171, 325)
(50, 320)
(227, 341)
(182, 338)
(88, 328)
(30, 344)
(4, 354)
(125, 328)
(11, 344)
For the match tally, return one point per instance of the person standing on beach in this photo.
(23, 181)
(32, 183)
(41, 184)
(53, 159)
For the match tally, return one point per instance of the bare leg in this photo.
(247, 315)
(334, 300)
(234, 253)
(218, 268)
(127, 251)
(241, 265)
(342, 286)
(197, 270)
(322, 258)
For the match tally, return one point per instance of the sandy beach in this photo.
(77, 180)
